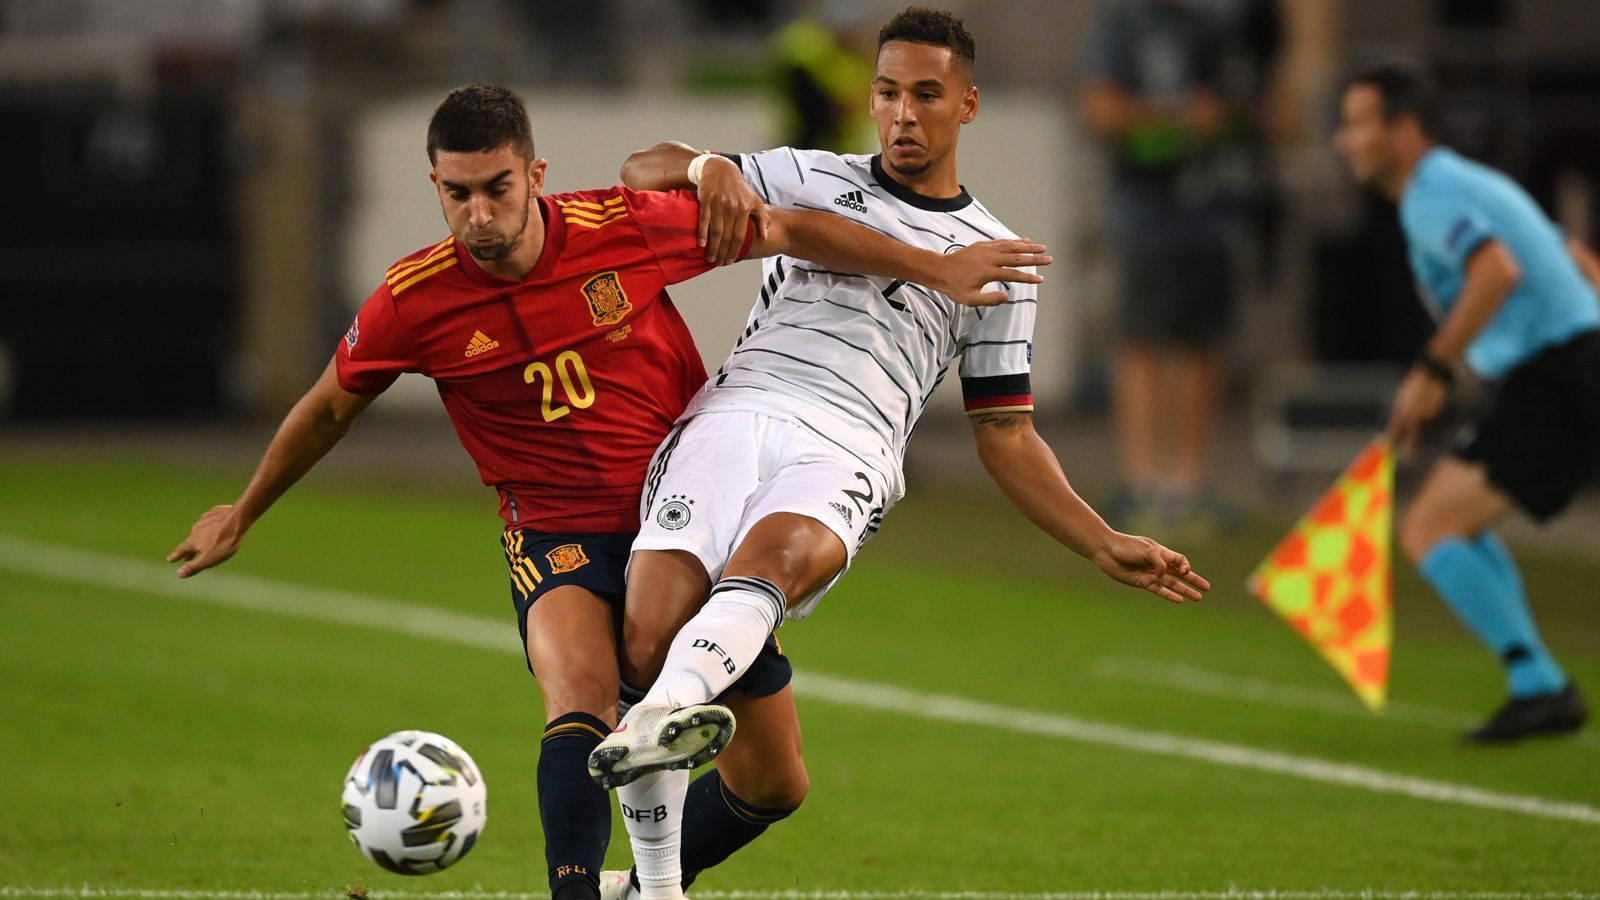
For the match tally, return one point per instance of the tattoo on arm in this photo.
(1005, 421)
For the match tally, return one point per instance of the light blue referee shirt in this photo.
(1450, 207)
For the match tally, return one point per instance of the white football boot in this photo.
(658, 738)
(617, 885)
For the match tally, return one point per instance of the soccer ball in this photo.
(414, 802)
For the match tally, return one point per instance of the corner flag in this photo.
(1330, 577)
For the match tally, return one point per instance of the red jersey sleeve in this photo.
(670, 223)
(375, 350)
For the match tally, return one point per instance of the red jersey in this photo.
(561, 385)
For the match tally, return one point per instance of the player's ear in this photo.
(969, 105)
(536, 173)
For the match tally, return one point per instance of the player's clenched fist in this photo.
(727, 206)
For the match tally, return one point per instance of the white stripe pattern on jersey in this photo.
(865, 350)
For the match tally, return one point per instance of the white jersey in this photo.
(856, 358)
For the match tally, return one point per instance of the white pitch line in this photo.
(264, 595)
(85, 892)
(1237, 689)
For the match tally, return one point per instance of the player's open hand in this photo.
(966, 273)
(212, 541)
(1142, 563)
(727, 205)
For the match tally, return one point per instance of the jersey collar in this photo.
(555, 237)
(912, 198)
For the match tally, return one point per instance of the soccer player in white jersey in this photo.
(786, 462)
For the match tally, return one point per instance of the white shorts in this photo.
(719, 473)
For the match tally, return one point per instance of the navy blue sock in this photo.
(716, 823)
(1479, 581)
(575, 812)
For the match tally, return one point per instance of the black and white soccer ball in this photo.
(414, 802)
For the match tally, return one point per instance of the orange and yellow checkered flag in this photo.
(1330, 580)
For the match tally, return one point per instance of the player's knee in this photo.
(1419, 531)
(779, 787)
(794, 569)
(1416, 535)
(643, 655)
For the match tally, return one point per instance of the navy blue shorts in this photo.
(1540, 438)
(598, 563)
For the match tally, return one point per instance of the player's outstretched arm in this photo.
(1026, 470)
(837, 243)
(727, 202)
(318, 421)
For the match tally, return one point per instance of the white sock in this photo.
(652, 808)
(715, 647)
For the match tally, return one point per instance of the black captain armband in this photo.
(1436, 367)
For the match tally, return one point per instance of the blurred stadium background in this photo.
(237, 171)
(205, 190)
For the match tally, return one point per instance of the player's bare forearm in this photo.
(1026, 470)
(835, 242)
(1492, 274)
(664, 167)
(1030, 476)
(316, 423)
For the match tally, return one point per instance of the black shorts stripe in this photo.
(653, 479)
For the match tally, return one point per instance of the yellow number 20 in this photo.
(575, 384)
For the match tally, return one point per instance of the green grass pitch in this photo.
(158, 743)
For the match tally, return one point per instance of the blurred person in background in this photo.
(818, 66)
(1515, 300)
(562, 363)
(1175, 90)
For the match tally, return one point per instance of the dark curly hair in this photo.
(478, 117)
(926, 25)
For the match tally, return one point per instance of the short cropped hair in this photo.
(478, 117)
(926, 25)
(1407, 90)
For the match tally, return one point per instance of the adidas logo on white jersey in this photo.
(851, 200)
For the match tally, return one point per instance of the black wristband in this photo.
(1436, 367)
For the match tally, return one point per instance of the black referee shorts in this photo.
(539, 562)
(1539, 439)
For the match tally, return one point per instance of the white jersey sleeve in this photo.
(997, 354)
(780, 174)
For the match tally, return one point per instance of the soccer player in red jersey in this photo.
(545, 324)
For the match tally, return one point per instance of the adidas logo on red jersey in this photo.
(480, 344)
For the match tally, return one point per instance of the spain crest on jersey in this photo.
(567, 557)
(607, 300)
